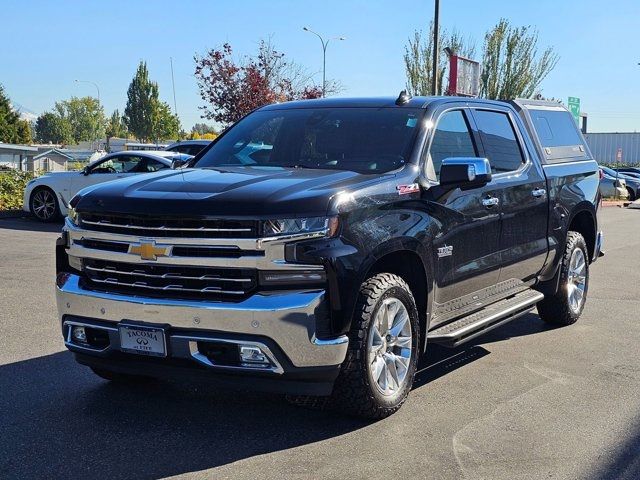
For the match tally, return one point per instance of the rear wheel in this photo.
(44, 205)
(565, 306)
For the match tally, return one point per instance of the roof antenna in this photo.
(403, 98)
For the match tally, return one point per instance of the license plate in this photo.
(142, 340)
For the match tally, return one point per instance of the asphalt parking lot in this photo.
(523, 401)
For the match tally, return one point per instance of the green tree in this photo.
(511, 65)
(85, 116)
(418, 59)
(12, 128)
(146, 117)
(51, 128)
(115, 127)
(166, 125)
(24, 132)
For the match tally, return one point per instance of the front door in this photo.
(467, 248)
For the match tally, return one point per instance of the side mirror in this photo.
(177, 163)
(465, 172)
(85, 171)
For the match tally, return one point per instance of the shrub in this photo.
(12, 184)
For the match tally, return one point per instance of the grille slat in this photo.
(203, 283)
(170, 227)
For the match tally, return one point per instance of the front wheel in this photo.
(44, 205)
(566, 305)
(378, 372)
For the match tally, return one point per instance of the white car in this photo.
(47, 197)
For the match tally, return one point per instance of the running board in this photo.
(492, 316)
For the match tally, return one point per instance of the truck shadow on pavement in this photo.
(30, 224)
(59, 420)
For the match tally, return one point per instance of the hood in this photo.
(256, 192)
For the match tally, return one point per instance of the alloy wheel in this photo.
(576, 280)
(389, 347)
(43, 204)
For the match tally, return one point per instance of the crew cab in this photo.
(325, 262)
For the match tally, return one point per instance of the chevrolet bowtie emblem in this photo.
(148, 250)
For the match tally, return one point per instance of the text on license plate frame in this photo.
(143, 340)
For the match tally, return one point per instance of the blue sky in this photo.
(45, 45)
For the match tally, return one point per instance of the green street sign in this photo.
(574, 108)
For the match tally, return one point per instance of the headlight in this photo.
(295, 226)
(31, 182)
(73, 216)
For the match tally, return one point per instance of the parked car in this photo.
(190, 147)
(635, 171)
(327, 264)
(47, 197)
(628, 182)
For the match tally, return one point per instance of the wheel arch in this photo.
(583, 221)
(408, 262)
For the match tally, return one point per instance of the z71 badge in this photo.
(445, 251)
(406, 189)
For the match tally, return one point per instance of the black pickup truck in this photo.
(317, 248)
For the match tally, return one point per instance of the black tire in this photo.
(117, 377)
(632, 195)
(43, 205)
(354, 391)
(556, 309)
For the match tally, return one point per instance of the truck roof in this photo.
(376, 102)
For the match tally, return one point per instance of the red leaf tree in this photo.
(230, 89)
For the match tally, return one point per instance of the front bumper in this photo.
(281, 322)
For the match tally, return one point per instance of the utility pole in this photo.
(173, 83)
(436, 47)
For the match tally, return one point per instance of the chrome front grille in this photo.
(203, 283)
(170, 227)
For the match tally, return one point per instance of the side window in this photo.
(499, 140)
(451, 138)
(132, 164)
(110, 165)
(154, 166)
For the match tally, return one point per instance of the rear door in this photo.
(523, 193)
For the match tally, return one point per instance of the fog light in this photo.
(252, 355)
(79, 334)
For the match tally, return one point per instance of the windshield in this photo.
(367, 140)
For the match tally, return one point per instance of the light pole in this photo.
(436, 47)
(93, 83)
(325, 43)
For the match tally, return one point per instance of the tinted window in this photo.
(499, 140)
(110, 165)
(153, 165)
(368, 140)
(451, 138)
(555, 128)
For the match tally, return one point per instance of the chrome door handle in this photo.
(539, 192)
(490, 201)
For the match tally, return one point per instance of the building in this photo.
(16, 156)
(608, 148)
(61, 159)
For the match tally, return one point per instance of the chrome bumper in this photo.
(287, 318)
